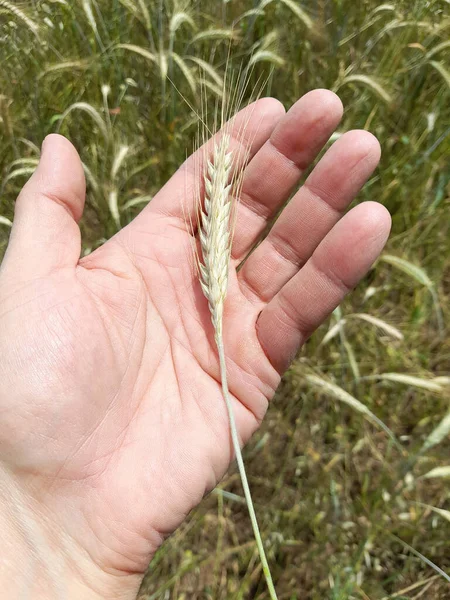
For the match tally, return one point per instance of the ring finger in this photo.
(310, 215)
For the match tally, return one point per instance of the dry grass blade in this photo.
(21, 16)
(437, 435)
(419, 382)
(25, 162)
(422, 583)
(211, 86)
(30, 145)
(5, 221)
(92, 181)
(438, 48)
(113, 204)
(439, 67)
(366, 26)
(141, 51)
(22, 172)
(409, 268)
(92, 112)
(87, 7)
(350, 354)
(423, 558)
(145, 14)
(129, 5)
(214, 34)
(295, 8)
(119, 160)
(421, 277)
(163, 64)
(5, 116)
(299, 12)
(266, 42)
(138, 201)
(333, 390)
(113, 201)
(333, 332)
(398, 24)
(185, 70)
(266, 56)
(68, 65)
(369, 83)
(383, 8)
(438, 473)
(159, 59)
(253, 12)
(374, 17)
(178, 19)
(439, 511)
(388, 329)
(208, 69)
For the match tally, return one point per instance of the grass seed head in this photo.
(215, 230)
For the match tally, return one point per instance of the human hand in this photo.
(113, 425)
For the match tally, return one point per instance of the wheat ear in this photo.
(215, 241)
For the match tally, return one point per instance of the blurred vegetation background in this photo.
(350, 470)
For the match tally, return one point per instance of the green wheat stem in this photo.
(241, 467)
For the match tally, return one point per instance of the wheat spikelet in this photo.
(215, 233)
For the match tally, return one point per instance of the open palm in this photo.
(112, 418)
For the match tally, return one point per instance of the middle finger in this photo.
(276, 168)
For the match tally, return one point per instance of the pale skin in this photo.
(112, 423)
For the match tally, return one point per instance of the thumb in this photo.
(45, 235)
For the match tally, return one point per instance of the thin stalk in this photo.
(241, 467)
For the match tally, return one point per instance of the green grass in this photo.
(340, 504)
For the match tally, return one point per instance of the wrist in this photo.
(40, 562)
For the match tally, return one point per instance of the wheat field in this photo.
(350, 472)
